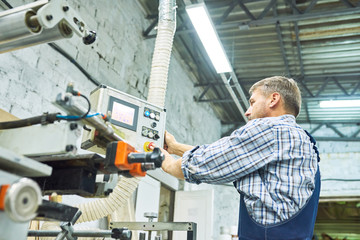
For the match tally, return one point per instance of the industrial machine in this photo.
(47, 151)
(40, 155)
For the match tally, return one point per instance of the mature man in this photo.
(272, 162)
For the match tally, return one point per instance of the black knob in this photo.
(156, 136)
(121, 233)
(90, 38)
(155, 157)
(73, 126)
(153, 125)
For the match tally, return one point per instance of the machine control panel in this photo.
(134, 119)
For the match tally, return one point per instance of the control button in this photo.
(148, 146)
(147, 113)
(156, 136)
(153, 125)
(145, 132)
(152, 115)
(157, 117)
(150, 134)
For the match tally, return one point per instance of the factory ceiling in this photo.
(316, 42)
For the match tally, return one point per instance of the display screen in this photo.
(123, 114)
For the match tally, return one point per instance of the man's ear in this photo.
(274, 99)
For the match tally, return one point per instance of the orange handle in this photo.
(3, 190)
(121, 160)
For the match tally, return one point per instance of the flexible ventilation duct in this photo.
(162, 52)
(105, 206)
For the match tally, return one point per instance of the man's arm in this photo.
(172, 166)
(171, 146)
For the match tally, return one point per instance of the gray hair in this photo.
(286, 87)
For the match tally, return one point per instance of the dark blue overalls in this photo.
(298, 227)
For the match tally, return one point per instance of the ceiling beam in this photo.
(282, 48)
(340, 86)
(323, 86)
(303, 84)
(293, 6)
(298, 46)
(281, 19)
(226, 13)
(150, 28)
(328, 125)
(233, 96)
(348, 4)
(292, 18)
(311, 6)
(266, 9)
(356, 133)
(316, 128)
(355, 89)
(246, 10)
(203, 93)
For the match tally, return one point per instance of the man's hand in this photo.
(173, 147)
(169, 143)
(170, 165)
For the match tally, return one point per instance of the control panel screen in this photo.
(122, 113)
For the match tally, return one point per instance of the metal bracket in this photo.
(55, 11)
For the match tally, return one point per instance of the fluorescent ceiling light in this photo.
(205, 29)
(340, 103)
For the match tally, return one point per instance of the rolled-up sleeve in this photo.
(228, 159)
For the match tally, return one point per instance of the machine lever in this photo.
(155, 157)
(122, 156)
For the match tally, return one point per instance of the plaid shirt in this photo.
(270, 160)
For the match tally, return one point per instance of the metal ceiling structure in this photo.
(316, 42)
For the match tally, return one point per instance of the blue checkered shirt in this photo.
(270, 160)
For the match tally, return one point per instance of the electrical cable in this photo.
(42, 119)
(46, 118)
(73, 61)
(6, 3)
(71, 118)
(70, 89)
(89, 106)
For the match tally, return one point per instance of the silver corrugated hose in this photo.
(162, 52)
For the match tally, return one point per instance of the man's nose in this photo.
(248, 112)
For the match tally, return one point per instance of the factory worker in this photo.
(272, 162)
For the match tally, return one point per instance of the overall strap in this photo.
(312, 139)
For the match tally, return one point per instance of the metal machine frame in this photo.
(189, 227)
